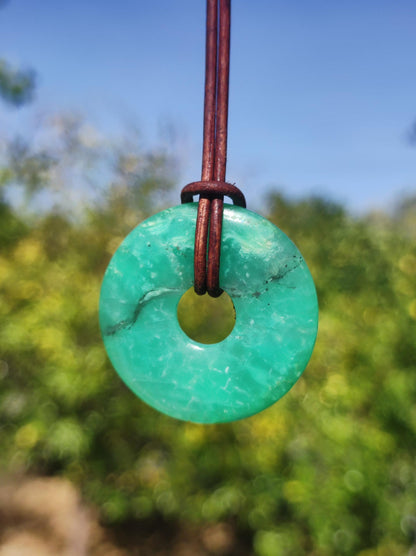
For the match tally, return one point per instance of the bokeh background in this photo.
(101, 126)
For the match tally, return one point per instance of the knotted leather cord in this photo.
(212, 186)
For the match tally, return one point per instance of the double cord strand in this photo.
(214, 156)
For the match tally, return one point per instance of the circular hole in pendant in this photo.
(206, 319)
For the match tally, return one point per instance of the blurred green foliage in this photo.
(206, 319)
(16, 85)
(329, 470)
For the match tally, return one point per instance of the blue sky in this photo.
(322, 93)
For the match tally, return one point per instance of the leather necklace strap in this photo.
(213, 186)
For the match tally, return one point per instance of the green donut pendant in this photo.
(264, 355)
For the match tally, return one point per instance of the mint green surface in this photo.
(266, 352)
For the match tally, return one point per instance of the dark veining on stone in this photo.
(284, 271)
(128, 323)
(274, 278)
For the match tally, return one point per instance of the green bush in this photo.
(328, 470)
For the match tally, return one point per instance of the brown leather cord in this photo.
(212, 186)
(213, 190)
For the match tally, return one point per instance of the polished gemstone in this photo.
(265, 353)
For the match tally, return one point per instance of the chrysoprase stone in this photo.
(276, 317)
